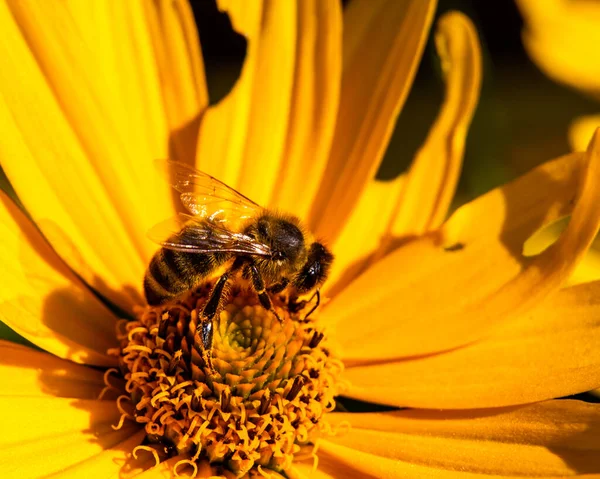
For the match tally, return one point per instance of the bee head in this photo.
(315, 270)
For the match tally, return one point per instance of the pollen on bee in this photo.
(262, 402)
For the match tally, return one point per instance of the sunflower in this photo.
(561, 38)
(464, 333)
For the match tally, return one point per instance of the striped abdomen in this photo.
(172, 273)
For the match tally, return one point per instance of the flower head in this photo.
(271, 384)
(450, 317)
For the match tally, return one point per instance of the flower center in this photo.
(264, 400)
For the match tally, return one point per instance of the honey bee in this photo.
(227, 231)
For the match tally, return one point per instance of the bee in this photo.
(226, 231)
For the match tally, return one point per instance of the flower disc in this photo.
(263, 399)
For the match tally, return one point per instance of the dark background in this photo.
(521, 121)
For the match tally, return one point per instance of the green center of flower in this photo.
(271, 385)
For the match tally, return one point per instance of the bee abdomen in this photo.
(171, 273)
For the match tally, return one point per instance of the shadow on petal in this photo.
(447, 288)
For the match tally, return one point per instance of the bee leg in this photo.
(279, 287)
(204, 330)
(317, 293)
(203, 338)
(259, 287)
(296, 306)
(213, 303)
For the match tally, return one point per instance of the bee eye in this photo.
(315, 270)
(262, 229)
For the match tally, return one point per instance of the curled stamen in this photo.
(316, 445)
(123, 397)
(188, 462)
(107, 373)
(196, 455)
(143, 403)
(139, 329)
(137, 348)
(159, 397)
(271, 384)
(330, 406)
(121, 327)
(338, 364)
(158, 413)
(108, 387)
(120, 423)
(150, 450)
(182, 385)
(191, 428)
(164, 419)
(166, 354)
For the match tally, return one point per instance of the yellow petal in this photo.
(147, 65)
(124, 100)
(46, 161)
(26, 372)
(448, 288)
(43, 301)
(383, 43)
(164, 470)
(553, 439)
(327, 468)
(561, 38)
(581, 131)
(313, 112)
(588, 268)
(270, 138)
(45, 435)
(431, 180)
(417, 202)
(363, 232)
(82, 163)
(172, 30)
(242, 139)
(114, 463)
(548, 352)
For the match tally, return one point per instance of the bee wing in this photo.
(205, 196)
(190, 234)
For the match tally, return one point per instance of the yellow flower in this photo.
(449, 318)
(562, 37)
